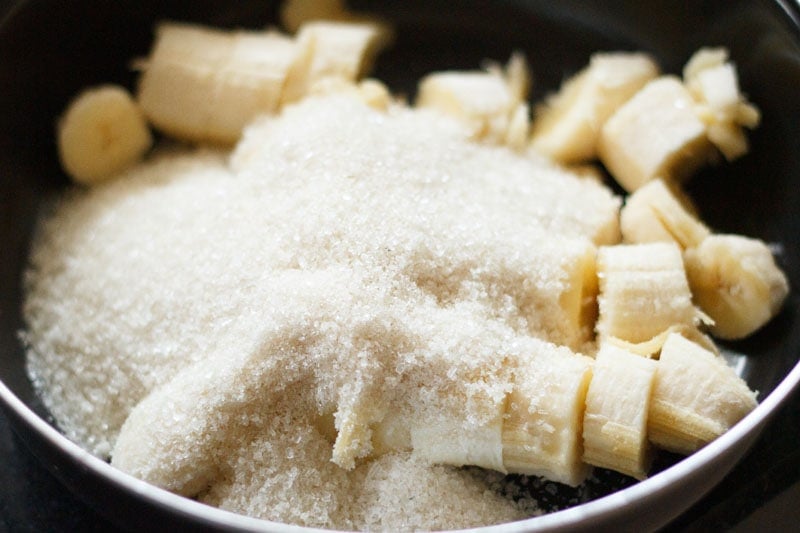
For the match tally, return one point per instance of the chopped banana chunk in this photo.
(102, 133)
(736, 281)
(655, 134)
(643, 291)
(490, 103)
(205, 85)
(714, 82)
(617, 404)
(542, 428)
(568, 125)
(654, 213)
(343, 50)
(696, 397)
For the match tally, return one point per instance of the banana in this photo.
(337, 50)
(617, 405)
(643, 291)
(102, 133)
(544, 418)
(579, 300)
(370, 91)
(490, 103)
(657, 133)
(652, 347)
(206, 85)
(735, 281)
(653, 213)
(713, 81)
(567, 126)
(696, 397)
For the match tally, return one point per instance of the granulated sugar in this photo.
(239, 329)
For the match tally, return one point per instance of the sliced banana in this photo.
(568, 125)
(653, 213)
(657, 133)
(205, 85)
(714, 82)
(696, 397)
(490, 103)
(102, 133)
(617, 405)
(333, 49)
(544, 418)
(643, 291)
(735, 281)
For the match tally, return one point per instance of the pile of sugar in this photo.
(211, 311)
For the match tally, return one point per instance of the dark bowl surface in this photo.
(49, 50)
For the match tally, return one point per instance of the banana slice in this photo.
(696, 397)
(735, 281)
(102, 133)
(544, 418)
(567, 126)
(341, 49)
(490, 103)
(657, 133)
(653, 213)
(714, 82)
(617, 404)
(206, 85)
(643, 291)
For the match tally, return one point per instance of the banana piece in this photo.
(617, 405)
(102, 133)
(713, 81)
(652, 347)
(653, 213)
(657, 133)
(696, 397)
(735, 281)
(579, 299)
(205, 85)
(568, 125)
(334, 50)
(370, 91)
(490, 103)
(643, 291)
(544, 417)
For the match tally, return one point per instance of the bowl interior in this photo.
(49, 50)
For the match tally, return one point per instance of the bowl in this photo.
(49, 50)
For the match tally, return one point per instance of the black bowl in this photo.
(50, 49)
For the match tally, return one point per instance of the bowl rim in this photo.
(749, 426)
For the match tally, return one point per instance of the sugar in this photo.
(201, 317)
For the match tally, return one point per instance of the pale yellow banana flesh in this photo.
(206, 85)
(735, 281)
(696, 397)
(101, 133)
(714, 83)
(643, 291)
(544, 419)
(617, 405)
(657, 133)
(567, 126)
(333, 49)
(653, 213)
(490, 103)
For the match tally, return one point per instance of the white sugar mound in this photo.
(215, 322)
